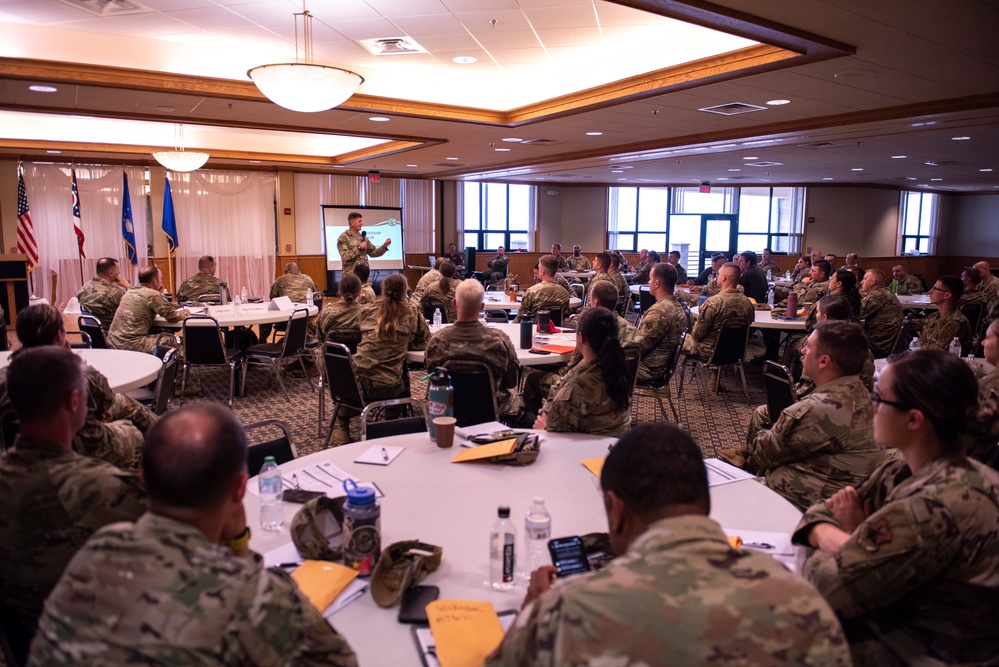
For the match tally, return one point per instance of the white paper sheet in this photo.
(720, 473)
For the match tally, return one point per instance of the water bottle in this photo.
(269, 484)
(787, 274)
(955, 347)
(440, 398)
(244, 296)
(770, 275)
(502, 545)
(437, 319)
(770, 297)
(894, 287)
(914, 345)
(308, 297)
(537, 532)
(236, 303)
(222, 293)
(792, 305)
(362, 528)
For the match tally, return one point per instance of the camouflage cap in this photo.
(317, 530)
(400, 566)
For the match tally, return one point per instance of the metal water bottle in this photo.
(362, 528)
(440, 398)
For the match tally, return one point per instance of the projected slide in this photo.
(379, 222)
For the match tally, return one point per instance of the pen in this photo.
(758, 545)
(384, 454)
(284, 565)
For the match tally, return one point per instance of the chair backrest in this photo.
(203, 342)
(474, 392)
(430, 303)
(632, 358)
(780, 388)
(351, 339)
(730, 348)
(9, 428)
(900, 336)
(341, 376)
(645, 299)
(671, 367)
(294, 339)
(281, 448)
(165, 382)
(212, 298)
(91, 326)
(85, 342)
(973, 311)
(555, 315)
(686, 313)
(397, 426)
(497, 316)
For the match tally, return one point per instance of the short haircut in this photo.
(974, 276)
(768, 250)
(40, 379)
(549, 265)
(604, 259)
(749, 256)
(674, 253)
(718, 255)
(656, 466)
(556, 245)
(666, 273)
(205, 262)
(952, 284)
(193, 456)
(604, 293)
(147, 274)
(38, 325)
(835, 307)
(844, 341)
(830, 255)
(733, 267)
(824, 266)
(615, 260)
(363, 272)
(354, 216)
(105, 264)
(880, 279)
(469, 293)
(858, 271)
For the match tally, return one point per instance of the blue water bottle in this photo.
(440, 398)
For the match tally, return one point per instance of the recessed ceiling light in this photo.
(899, 157)
(54, 152)
(512, 140)
(778, 103)
(43, 89)
(502, 150)
(338, 166)
(984, 170)
(922, 185)
(617, 171)
(857, 169)
(412, 165)
(827, 178)
(725, 146)
(622, 179)
(936, 179)
(379, 119)
(723, 178)
(465, 60)
(166, 109)
(594, 134)
(751, 158)
(910, 178)
(254, 161)
(450, 158)
(959, 138)
(929, 122)
(735, 169)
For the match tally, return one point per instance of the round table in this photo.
(501, 301)
(453, 505)
(916, 302)
(124, 369)
(582, 276)
(250, 314)
(765, 320)
(524, 357)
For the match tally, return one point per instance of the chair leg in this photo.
(745, 389)
(669, 397)
(242, 385)
(683, 371)
(329, 434)
(659, 401)
(301, 362)
(322, 406)
(232, 383)
(183, 384)
(277, 372)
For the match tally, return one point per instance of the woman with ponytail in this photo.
(909, 560)
(443, 290)
(595, 396)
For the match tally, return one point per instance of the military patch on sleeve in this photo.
(876, 534)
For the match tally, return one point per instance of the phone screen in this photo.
(568, 555)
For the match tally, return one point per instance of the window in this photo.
(496, 214)
(771, 218)
(917, 223)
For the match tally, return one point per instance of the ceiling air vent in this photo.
(109, 8)
(391, 46)
(940, 163)
(763, 164)
(538, 142)
(733, 109)
(818, 145)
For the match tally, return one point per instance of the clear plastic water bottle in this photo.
(537, 532)
(770, 297)
(437, 319)
(269, 483)
(244, 296)
(308, 297)
(236, 304)
(770, 275)
(787, 275)
(502, 547)
(955, 347)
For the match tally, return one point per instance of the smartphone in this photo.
(414, 603)
(568, 555)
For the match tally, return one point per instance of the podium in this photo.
(13, 285)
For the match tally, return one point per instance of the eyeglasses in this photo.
(938, 289)
(876, 400)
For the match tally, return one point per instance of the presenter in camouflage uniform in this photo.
(938, 330)
(881, 312)
(678, 593)
(181, 583)
(823, 442)
(202, 282)
(103, 293)
(661, 326)
(907, 283)
(51, 498)
(546, 295)
(355, 249)
(295, 285)
(133, 323)
(910, 558)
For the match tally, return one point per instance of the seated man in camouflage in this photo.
(577, 262)
(51, 498)
(295, 285)
(906, 282)
(973, 293)
(563, 263)
(881, 312)
(546, 295)
(103, 293)
(470, 340)
(132, 328)
(202, 282)
(180, 585)
(623, 291)
(825, 441)
(644, 268)
(497, 266)
(675, 580)
(815, 286)
(937, 331)
(768, 264)
(661, 326)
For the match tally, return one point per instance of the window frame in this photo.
(484, 229)
(934, 202)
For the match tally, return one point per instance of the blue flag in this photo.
(169, 220)
(127, 230)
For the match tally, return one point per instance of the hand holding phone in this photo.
(568, 555)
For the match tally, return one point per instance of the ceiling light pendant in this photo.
(303, 85)
(181, 160)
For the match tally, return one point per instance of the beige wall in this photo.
(970, 226)
(583, 219)
(864, 220)
(8, 203)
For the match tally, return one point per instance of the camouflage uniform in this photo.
(938, 330)
(973, 297)
(578, 403)
(563, 263)
(433, 292)
(158, 592)
(133, 322)
(909, 284)
(198, 284)
(497, 268)
(660, 330)
(989, 385)
(380, 359)
(772, 267)
(623, 291)
(51, 501)
(579, 263)
(680, 596)
(918, 580)
(726, 305)
(642, 272)
(101, 298)
(430, 276)
(543, 296)
(811, 292)
(473, 341)
(295, 286)
(819, 445)
(882, 315)
(990, 285)
(341, 319)
(367, 294)
(602, 275)
(351, 254)
(457, 258)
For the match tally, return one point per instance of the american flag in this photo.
(25, 229)
(77, 222)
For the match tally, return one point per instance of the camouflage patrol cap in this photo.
(317, 530)
(400, 566)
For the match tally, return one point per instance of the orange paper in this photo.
(465, 631)
(596, 466)
(322, 581)
(486, 451)
(558, 349)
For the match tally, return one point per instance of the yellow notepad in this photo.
(596, 466)
(322, 581)
(465, 631)
(486, 451)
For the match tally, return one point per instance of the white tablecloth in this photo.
(124, 369)
(248, 316)
(501, 301)
(524, 357)
(765, 320)
(916, 301)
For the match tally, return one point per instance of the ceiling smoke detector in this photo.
(391, 46)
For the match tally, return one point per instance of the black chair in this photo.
(4, 343)
(9, 428)
(974, 313)
(401, 425)
(15, 638)
(729, 350)
(645, 299)
(474, 392)
(345, 390)
(498, 316)
(157, 398)
(686, 313)
(279, 355)
(351, 341)
(281, 448)
(779, 387)
(91, 326)
(204, 345)
(431, 304)
(905, 332)
(211, 299)
(85, 342)
(655, 385)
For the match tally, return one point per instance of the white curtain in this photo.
(230, 216)
(419, 199)
(101, 190)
